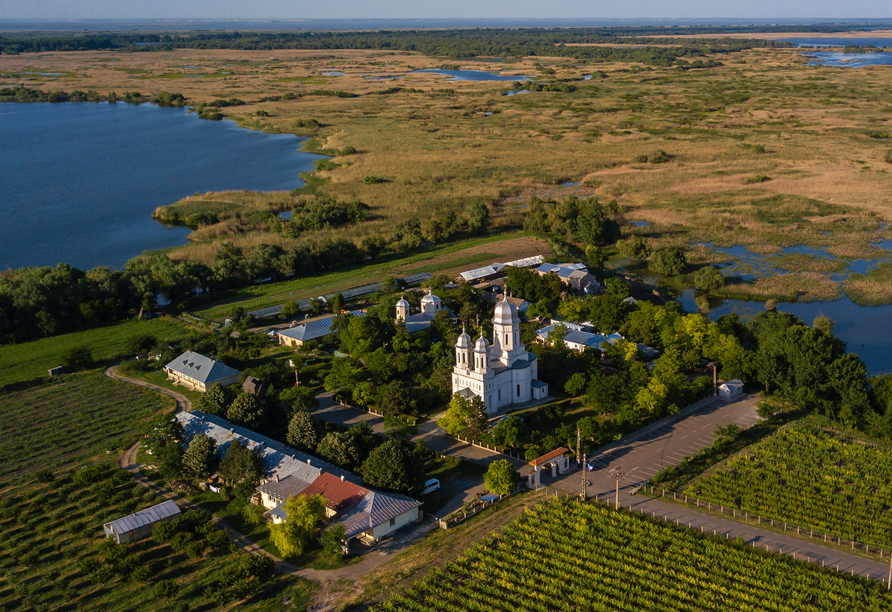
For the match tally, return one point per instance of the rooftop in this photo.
(143, 518)
(314, 329)
(203, 369)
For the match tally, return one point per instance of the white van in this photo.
(430, 486)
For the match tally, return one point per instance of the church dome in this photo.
(506, 313)
(482, 345)
(464, 340)
(402, 303)
(430, 298)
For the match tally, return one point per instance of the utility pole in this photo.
(584, 476)
(617, 473)
(579, 446)
(889, 582)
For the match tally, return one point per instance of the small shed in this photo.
(255, 386)
(731, 389)
(139, 525)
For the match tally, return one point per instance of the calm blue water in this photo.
(848, 60)
(840, 42)
(476, 75)
(865, 329)
(80, 181)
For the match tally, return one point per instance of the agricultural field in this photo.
(806, 476)
(54, 555)
(29, 360)
(565, 555)
(69, 420)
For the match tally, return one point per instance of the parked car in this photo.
(430, 486)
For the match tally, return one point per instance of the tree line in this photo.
(522, 42)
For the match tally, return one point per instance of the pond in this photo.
(475, 75)
(517, 91)
(81, 180)
(864, 329)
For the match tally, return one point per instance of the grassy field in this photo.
(762, 151)
(53, 558)
(19, 362)
(573, 556)
(70, 420)
(812, 478)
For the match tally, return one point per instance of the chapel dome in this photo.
(430, 298)
(464, 340)
(482, 345)
(505, 313)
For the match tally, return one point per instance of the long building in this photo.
(366, 514)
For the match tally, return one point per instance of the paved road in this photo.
(642, 454)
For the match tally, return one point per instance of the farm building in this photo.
(311, 330)
(368, 515)
(496, 269)
(139, 525)
(198, 372)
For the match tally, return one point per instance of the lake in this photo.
(839, 42)
(848, 60)
(81, 180)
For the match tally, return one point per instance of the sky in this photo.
(411, 9)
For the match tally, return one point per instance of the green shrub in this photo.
(759, 178)
(658, 157)
(708, 279)
(373, 180)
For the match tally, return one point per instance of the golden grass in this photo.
(805, 286)
(440, 151)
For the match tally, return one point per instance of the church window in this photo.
(506, 340)
(518, 390)
(500, 395)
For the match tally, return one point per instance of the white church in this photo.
(503, 374)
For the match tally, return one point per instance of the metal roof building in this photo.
(195, 371)
(291, 473)
(139, 525)
(312, 330)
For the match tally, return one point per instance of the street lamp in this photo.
(617, 473)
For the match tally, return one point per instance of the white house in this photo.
(503, 374)
(731, 389)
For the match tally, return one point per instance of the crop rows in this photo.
(811, 478)
(573, 556)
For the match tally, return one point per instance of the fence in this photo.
(453, 519)
(746, 516)
(609, 500)
(404, 418)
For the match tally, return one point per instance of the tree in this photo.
(241, 464)
(669, 261)
(478, 217)
(337, 303)
(576, 384)
(333, 540)
(302, 432)
(477, 419)
(595, 257)
(539, 310)
(166, 589)
(164, 442)
(246, 410)
(456, 418)
(397, 398)
(708, 279)
(636, 248)
(340, 448)
(78, 357)
(215, 400)
(823, 323)
(140, 344)
(303, 514)
(316, 306)
(200, 458)
(501, 477)
(393, 467)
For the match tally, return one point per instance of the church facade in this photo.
(502, 374)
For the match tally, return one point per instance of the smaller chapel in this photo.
(503, 374)
(430, 306)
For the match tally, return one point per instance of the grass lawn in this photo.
(19, 362)
(69, 420)
(158, 377)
